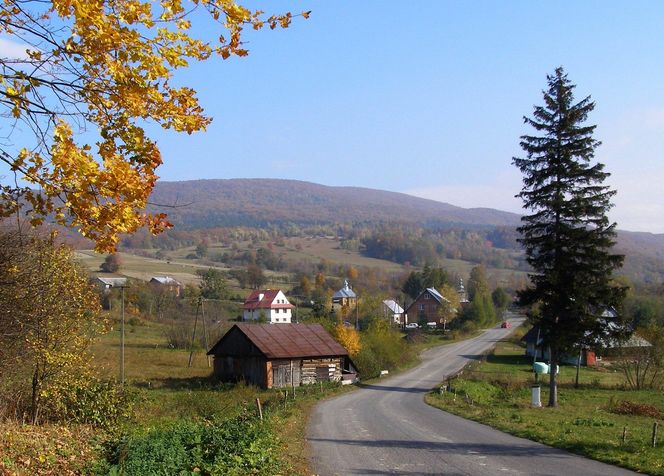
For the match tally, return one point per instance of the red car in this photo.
(506, 325)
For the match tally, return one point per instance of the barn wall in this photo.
(250, 369)
(296, 372)
(321, 370)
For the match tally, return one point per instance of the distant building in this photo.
(463, 295)
(281, 356)
(270, 303)
(392, 309)
(108, 283)
(345, 297)
(603, 348)
(167, 283)
(426, 306)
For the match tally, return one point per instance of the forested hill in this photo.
(258, 202)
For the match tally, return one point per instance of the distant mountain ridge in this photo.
(201, 204)
(257, 202)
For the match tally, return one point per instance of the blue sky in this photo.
(427, 98)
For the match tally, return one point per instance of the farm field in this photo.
(590, 420)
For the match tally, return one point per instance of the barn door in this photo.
(281, 376)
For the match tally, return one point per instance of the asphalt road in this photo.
(386, 428)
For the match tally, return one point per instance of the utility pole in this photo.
(193, 334)
(122, 284)
(122, 339)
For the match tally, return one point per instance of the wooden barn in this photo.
(284, 355)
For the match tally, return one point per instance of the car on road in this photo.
(412, 325)
(506, 324)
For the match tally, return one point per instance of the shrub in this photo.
(239, 446)
(382, 347)
(90, 401)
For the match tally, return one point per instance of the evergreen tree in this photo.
(567, 236)
(413, 285)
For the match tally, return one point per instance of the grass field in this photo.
(497, 392)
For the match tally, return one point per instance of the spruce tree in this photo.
(567, 235)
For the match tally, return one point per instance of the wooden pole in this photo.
(122, 341)
(624, 435)
(205, 333)
(193, 335)
(260, 409)
(654, 434)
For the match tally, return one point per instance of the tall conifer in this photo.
(567, 235)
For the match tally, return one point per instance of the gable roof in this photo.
(393, 306)
(531, 336)
(113, 282)
(436, 295)
(165, 280)
(284, 341)
(254, 300)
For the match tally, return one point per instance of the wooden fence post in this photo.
(260, 409)
(624, 435)
(654, 434)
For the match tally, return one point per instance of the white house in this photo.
(392, 309)
(271, 303)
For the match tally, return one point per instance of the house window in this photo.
(426, 296)
(422, 307)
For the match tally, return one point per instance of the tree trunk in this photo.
(578, 367)
(34, 410)
(553, 382)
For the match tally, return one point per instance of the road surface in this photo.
(386, 428)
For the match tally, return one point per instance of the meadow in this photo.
(590, 420)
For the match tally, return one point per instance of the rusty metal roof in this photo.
(284, 341)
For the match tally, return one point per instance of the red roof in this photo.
(284, 341)
(269, 295)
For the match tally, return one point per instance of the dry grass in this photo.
(45, 450)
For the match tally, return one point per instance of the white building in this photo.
(392, 309)
(270, 303)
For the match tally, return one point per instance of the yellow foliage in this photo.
(349, 338)
(104, 67)
(49, 311)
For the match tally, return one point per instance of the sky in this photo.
(428, 98)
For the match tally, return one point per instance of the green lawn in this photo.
(497, 392)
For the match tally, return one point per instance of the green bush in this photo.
(382, 348)
(91, 401)
(235, 447)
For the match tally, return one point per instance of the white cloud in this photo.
(498, 194)
(12, 49)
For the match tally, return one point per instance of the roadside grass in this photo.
(497, 392)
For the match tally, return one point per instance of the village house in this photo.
(427, 306)
(167, 283)
(267, 305)
(393, 311)
(281, 356)
(604, 349)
